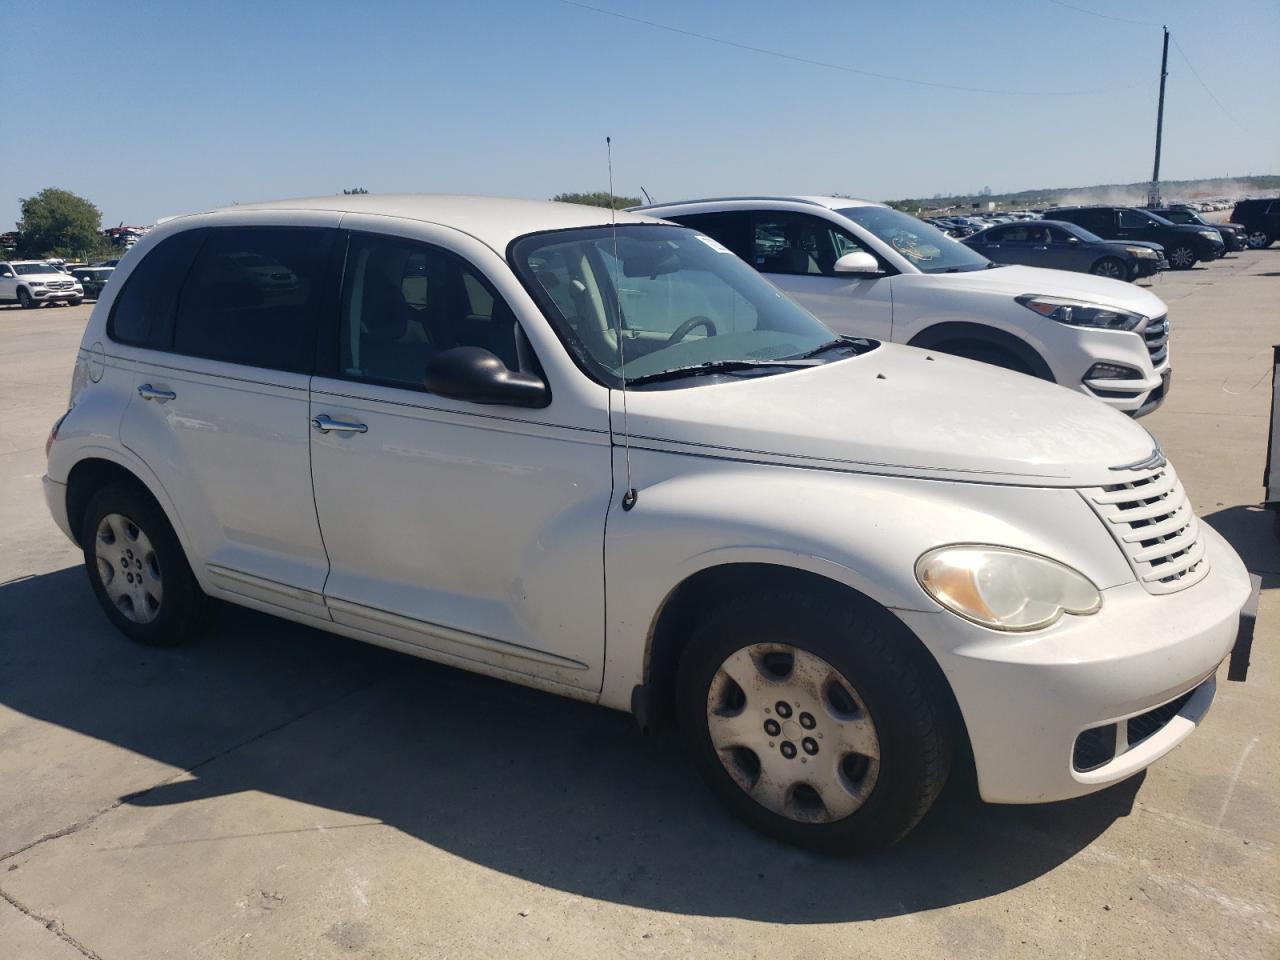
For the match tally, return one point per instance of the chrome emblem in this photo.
(1152, 462)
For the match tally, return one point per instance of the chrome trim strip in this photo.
(488, 644)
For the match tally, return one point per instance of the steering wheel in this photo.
(682, 331)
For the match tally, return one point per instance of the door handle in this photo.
(326, 424)
(148, 392)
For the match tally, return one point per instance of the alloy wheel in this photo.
(1258, 239)
(1182, 257)
(793, 733)
(1110, 268)
(128, 568)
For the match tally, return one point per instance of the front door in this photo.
(475, 532)
(798, 251)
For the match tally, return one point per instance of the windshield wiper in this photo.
(716, 366)
(852, 343)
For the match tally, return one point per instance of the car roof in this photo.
(831, 203)
(495, 221)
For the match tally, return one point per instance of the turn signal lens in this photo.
(1003, 588)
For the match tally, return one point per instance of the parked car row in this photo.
(841, 567)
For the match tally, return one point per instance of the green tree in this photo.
(353, 191)
(599, 198)
(57, 223)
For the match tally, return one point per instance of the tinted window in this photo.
(796, 243)
(254, 296)
(143, 313)
(731, 229)
(404, 302)
(1134, 220)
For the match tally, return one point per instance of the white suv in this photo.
(34, 282)
(840, 564)
(868, 270)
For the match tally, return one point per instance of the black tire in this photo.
(76, 301)
(880, 659)
(985, 353)
(24, 299)
(183, 608)
(1183, 257)
(1112, 267)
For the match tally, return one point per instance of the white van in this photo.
(617, 464)
(871, 271)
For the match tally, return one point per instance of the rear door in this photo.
(220, 406)
(1135, 225)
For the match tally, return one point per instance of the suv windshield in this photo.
(927, 248)
(687, 304)
(34, 268)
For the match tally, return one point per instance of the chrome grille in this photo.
(59, 284)
(1152, 520)
(1156, 335)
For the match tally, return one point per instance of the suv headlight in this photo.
(1078, 313)
(37, 283)
(1003, 588)
(1145, 253)
(1211, 234)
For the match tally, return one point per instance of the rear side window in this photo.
(733, 230)
(255, 295)
(142, 315)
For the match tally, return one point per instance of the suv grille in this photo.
(1156, 335)
(1152, 521)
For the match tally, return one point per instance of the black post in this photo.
(1153, 194)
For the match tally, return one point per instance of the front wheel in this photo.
(1182, 258)
(1259, 239)
(137, 568)
(24, 300)
(1112, 267)
(75, 302)
(814, 721)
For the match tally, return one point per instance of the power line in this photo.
(1104, 16)
(844, 68)
(1196, 73)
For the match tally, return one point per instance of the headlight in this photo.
(1146, 253)
(1003, 588)
(1080, 314)
(37, 283)
(1210, 234)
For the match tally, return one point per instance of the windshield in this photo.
(34, 268)
(685, 301)
(927, 248)
(1079, 231)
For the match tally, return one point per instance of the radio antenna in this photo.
(628, 498)
(647, 199)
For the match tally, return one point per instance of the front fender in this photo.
(860, 530)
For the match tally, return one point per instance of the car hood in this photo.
(895, 410)
(1121, 244)
(44, 277)
(1014, 281)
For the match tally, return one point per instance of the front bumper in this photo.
(1072, 353)
(42, 295)
(1150, 266)
(1026, 698)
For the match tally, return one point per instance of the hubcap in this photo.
(1181, 257)
(793, 733)
(1109, 269)
(1257, 239)
(128, 568)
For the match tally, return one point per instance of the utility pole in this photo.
(1153, 194)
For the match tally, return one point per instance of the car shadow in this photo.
(558, 792)
(1250, 531)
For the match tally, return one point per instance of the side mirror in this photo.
(7, 274)
(857, 262)
(1071, 239)
(475, 374)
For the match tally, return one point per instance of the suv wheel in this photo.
(24, 299)
(1112, 267)
(1182, 257)
(814, 721)
(137, 568)
(1259, 239)
(984, 353)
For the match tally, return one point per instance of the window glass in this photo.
(1134, 220)
(403, 302)
(926, 247)
(254, 296)
(1018, 234)
(142, 314)
(685, 302)
(733, 229)
(795, 243)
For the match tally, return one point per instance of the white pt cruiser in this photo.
(837, 564)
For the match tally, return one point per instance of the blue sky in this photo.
(157, 108)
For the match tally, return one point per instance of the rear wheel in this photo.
(1112, 267)
(137, 568)
(1259, 239)
(814, 721)
(1183, 257)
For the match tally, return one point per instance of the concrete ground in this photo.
(277, 792)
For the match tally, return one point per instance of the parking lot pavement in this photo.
(273, 791)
